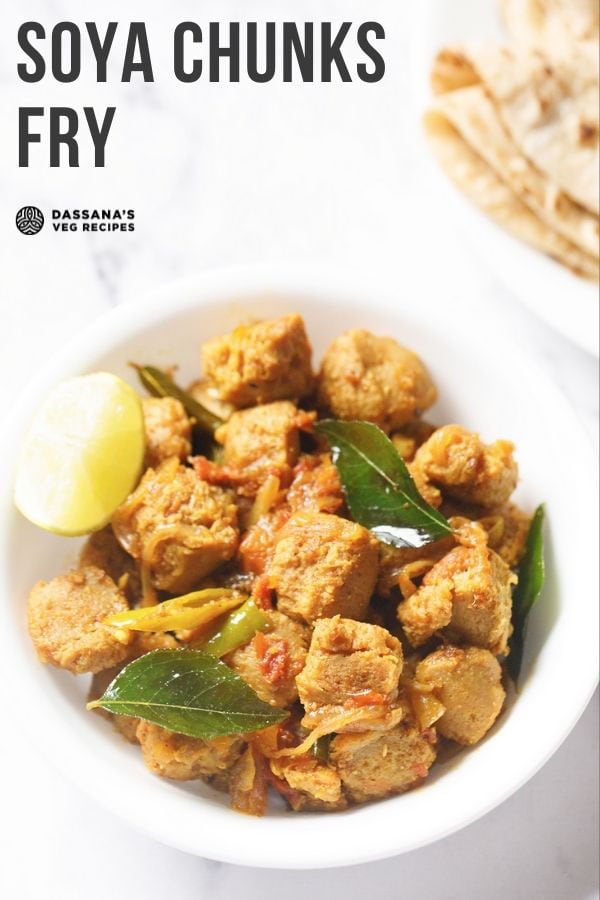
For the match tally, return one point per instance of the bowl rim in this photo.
(125, 321)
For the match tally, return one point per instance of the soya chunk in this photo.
(315, 487)
(179, 526)
(168, 430)
(311, 785)
(65, 621)
(375, 764)
(185, 758)
(515, 527)
(427, 611)
(323, 565)
(468, 682)
(409, 439)
(458, 464)
(349, 664)
(270, 662)
(103, 550)
(466, 595)
(263, 440)
(374, 378)
(260, 363)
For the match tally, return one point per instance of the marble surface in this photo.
(217, 175)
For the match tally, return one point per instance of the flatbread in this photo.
(452, 70)
(552, 26)
(475, 116)
(551, 111)
(486, 189)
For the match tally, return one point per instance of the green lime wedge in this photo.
(82, 455)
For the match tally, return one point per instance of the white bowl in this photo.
(484, 383)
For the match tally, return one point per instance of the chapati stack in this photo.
(516, 127)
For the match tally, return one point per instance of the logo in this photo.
(29, 220)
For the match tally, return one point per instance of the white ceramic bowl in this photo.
(484, 383)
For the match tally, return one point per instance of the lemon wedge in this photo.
(82, 455)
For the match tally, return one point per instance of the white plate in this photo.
(567, 303)
(477, 388)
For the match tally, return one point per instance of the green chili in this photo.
(320, 748)
(189, 611)
(234, 630)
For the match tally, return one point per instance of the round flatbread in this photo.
(550, 110)
(485, 188)
(475, 116)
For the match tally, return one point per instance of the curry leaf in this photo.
(189, 692)
(379, 489)
(531, 575)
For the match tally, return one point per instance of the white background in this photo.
(220, 174)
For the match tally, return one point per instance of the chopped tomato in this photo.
(273, 656)
(368, 698)
(262, 593)
(229, 476)
(260, 644)
(316, 485)
(211, 472)
(276, 663)
(258, 543)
